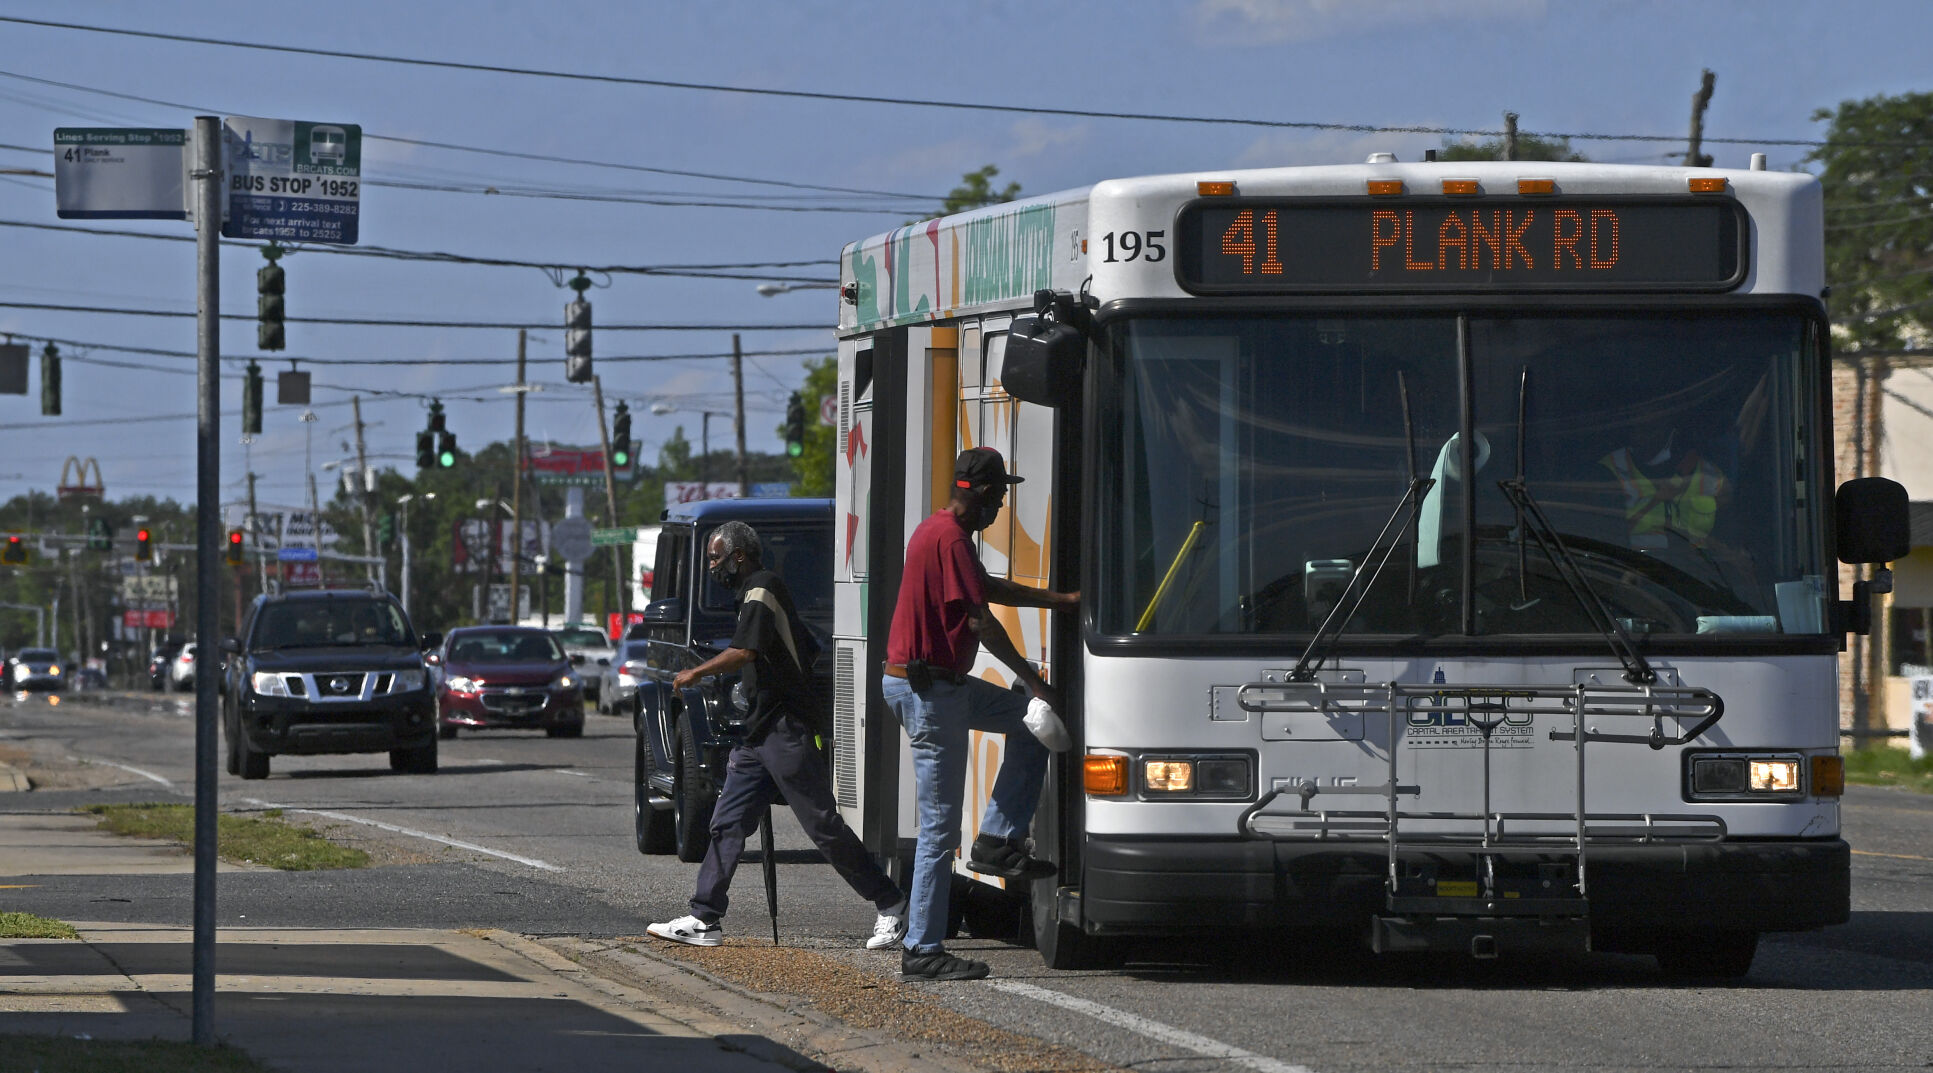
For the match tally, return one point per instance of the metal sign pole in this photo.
(207, 175)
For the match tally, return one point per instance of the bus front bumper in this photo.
(1156, 886)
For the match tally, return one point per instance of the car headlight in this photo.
(269, 684)
(461, 684)
(406, 681)
(53, 668)
(20, 670)
(564, 681)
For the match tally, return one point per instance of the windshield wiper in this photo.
(1517, 490)
(1379, 553)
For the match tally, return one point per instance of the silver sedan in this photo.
(620, 679)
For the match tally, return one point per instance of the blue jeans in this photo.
(937, 722)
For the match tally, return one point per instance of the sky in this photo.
(557, 171)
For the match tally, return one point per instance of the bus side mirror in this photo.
(1871, 521)
(1043, 362)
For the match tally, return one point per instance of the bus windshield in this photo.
(1249, 463)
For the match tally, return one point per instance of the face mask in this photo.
(986, 514)
(725, 573)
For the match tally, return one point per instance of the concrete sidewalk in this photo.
(391, 999)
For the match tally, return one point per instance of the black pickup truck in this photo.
(683, 739)
(327, 671)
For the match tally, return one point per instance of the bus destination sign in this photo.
(1290, 245)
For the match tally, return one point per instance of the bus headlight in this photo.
(1200, 776)
(1745, 776)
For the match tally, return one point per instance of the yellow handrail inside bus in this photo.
(1187, 545)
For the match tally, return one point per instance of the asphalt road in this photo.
(542, 834)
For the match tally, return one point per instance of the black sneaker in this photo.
(1006, 858)
(939, 965)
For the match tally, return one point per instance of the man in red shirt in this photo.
(939, 623)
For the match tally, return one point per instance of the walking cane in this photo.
(771, 870)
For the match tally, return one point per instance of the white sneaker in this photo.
(690, 931)
(889, 927)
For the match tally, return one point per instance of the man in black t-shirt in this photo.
(779, 752)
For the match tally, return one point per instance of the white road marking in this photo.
(412, 832)
(579, 774)
(1154, 1030)
(144, 774)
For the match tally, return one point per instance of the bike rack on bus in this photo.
(1485, 708)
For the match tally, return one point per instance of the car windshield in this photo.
(39, 655)
(505, 646)
(583, 637)
(1253, 461)
(802, 555)
(318, 623)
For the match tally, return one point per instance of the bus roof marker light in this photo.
(1460, 187)
(1707, 185)
(1536, 186)
(1215, 188)
(1385, 187)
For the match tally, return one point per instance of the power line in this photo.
(508, 153)
(856, 98)
(389, 322)
(694, 271)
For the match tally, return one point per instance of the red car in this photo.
(507, 677)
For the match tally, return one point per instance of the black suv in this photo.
(327, 671)
(683, 740)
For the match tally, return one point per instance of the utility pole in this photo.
(362, 492)
(1695, 157)
(255, 525)
(1876, 642)
(315, 523)
(1510, 135)
(610, 496)
(517, 488)
(738, 395)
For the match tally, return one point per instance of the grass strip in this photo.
(64, 1054)
(1883, 765)
(29, 926)
(266, 839)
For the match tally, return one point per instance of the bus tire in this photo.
(651, 826)
(1061, 943)
(1725, 955)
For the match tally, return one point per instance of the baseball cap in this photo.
(981, 465)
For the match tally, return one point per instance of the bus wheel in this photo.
(1726, 955)
(1061, 943)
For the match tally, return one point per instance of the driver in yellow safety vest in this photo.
(1682, 498)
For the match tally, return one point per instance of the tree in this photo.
(814, 469)
(1529, 147)
(975, 191)
(1877, 169)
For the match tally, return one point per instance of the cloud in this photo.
(1274, 22)
(1025, 139)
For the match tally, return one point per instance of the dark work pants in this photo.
(785, 761)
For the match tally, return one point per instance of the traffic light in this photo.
(234, 554)
(252, 400)
(100, 535)
(446, 449)
(143, 546)
(795, 426)
(269, 286)
(50, 381)
(577, 334)
(15, 553)
(386, 529)
(425, 449)
(621, 436)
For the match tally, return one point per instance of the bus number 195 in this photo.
(1134, 246)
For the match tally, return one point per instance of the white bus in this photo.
(1377, 481)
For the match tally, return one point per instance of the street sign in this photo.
(829, 410)
(299, 553)
(293, 181)
(148, 589)
(121, 173)
(605, 538)
(571, 539)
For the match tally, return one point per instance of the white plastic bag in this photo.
(1046, 726)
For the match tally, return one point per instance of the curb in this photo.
(723, 1008)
